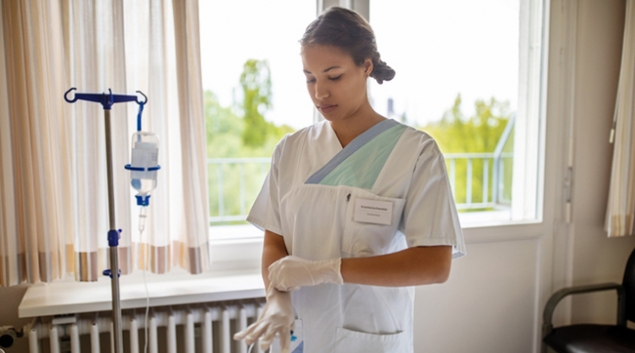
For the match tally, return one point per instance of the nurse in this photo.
(356, 210)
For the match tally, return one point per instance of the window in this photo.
(254, 94)
(469, 72)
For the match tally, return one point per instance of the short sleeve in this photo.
(430, 217)
(265, 212)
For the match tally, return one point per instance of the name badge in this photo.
(371, 211)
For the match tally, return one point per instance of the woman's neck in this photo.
(348, 129)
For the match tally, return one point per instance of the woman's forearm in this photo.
(273, 249)
(410, 267)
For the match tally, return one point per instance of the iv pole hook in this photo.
(144, 96)
(66, 95)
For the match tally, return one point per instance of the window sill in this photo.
(175, 288)
(500, 217)
(485, 218)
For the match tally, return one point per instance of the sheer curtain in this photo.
(53, 195)
(620, 213)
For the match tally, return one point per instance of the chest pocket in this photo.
(363, 238)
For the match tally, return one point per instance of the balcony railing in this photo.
(233, 186)
(463, 173)
(478, 181)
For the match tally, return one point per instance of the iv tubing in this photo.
(142, 218)
(145, 283)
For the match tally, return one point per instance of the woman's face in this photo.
(336, 85)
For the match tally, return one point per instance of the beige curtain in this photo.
(53, 186)
(621, 203)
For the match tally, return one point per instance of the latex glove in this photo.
(276, 318)
(292, 272)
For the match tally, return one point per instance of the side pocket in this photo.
(348, 341)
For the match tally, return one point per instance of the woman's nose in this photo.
(321, 91)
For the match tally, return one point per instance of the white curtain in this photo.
(53, 182)
(620, 213)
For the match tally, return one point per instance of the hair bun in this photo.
(382, 72)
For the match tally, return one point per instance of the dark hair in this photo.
(349, 31)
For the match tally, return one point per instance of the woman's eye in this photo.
(335, 78)
(311, 80)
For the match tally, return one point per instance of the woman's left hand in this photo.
(292, 272)
(277, 319)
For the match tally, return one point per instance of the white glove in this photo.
(292, 272)
(277, 318)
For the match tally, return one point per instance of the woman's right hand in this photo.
(292, 272)
(277, 318)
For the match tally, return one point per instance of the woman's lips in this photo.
(327, 108)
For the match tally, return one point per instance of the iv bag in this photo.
(145, 155)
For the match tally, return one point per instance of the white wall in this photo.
(486, 306)
(595, 258)
(494, 299)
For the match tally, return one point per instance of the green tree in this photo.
(224, 129)
(256, 84)
(478, 133)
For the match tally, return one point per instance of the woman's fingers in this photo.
(251, 333)
(285, 341)
(256, 332)
(241, 335)
(267, 339)
(266, 334)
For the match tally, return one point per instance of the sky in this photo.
(438, 49)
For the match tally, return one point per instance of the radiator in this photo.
(204, 328)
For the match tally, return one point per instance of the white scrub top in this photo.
(385, 191)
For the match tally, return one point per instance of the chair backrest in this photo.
(629, 285)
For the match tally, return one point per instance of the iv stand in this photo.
(107, 100)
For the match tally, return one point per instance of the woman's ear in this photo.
(368, 66)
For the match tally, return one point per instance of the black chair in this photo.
(592, 337)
